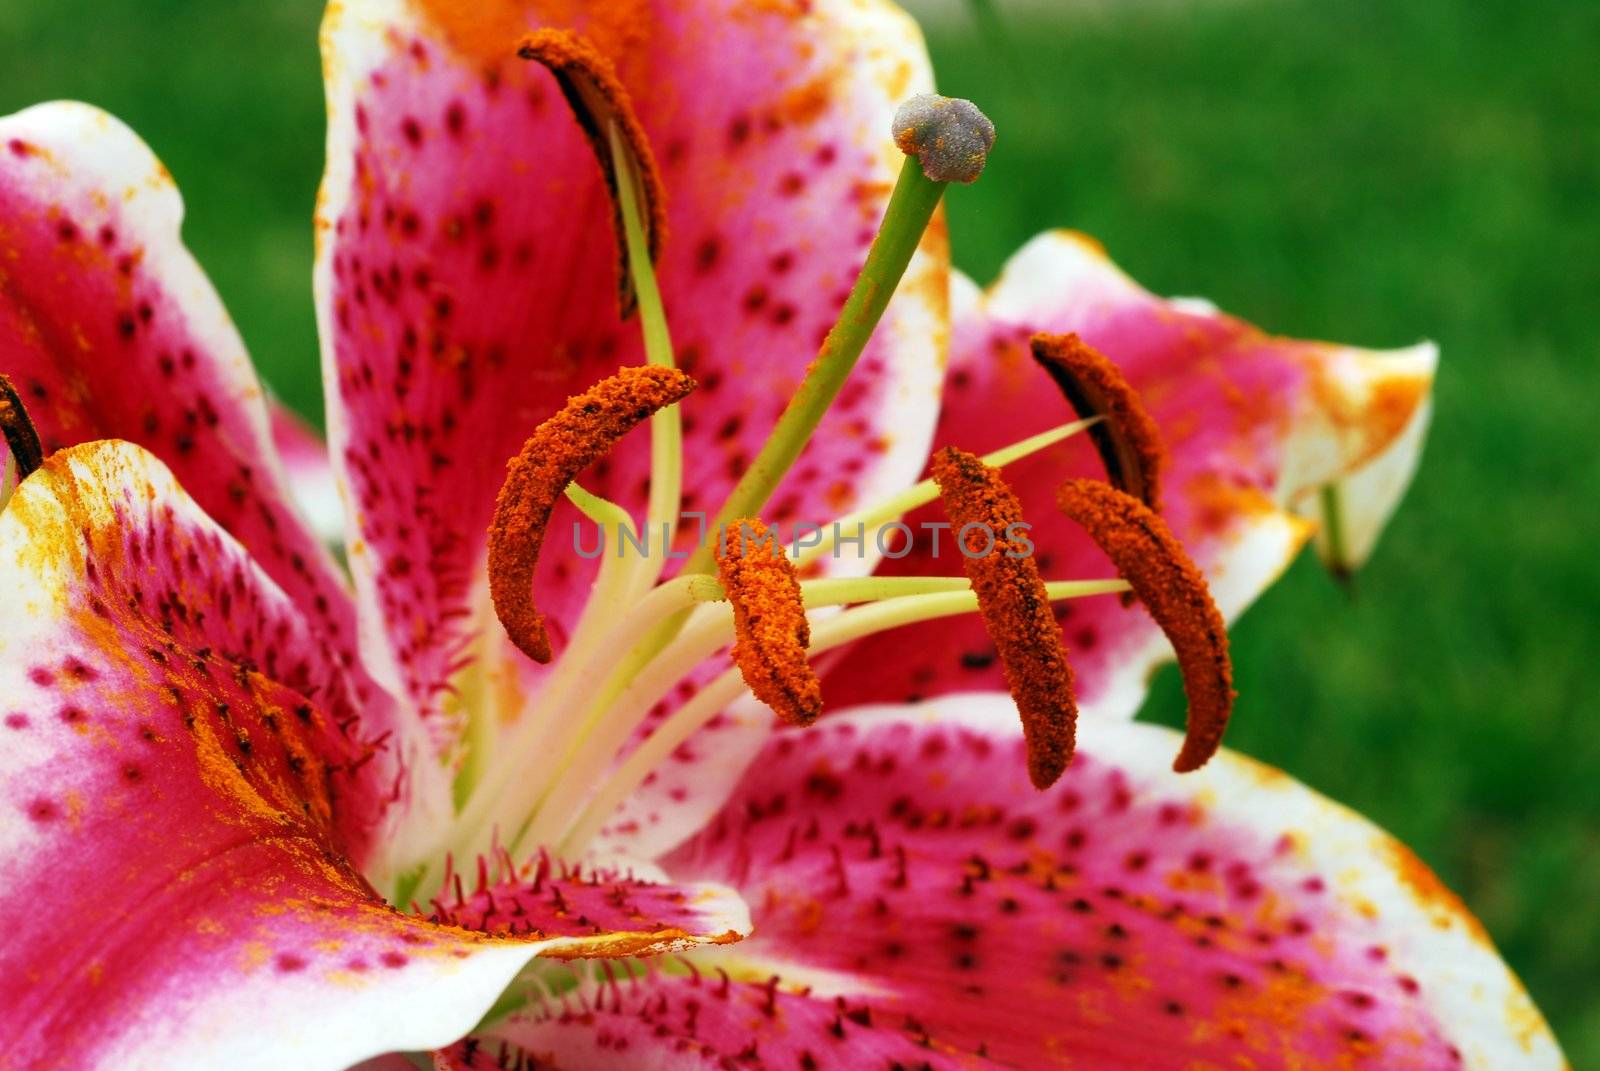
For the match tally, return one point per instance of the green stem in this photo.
(1336, 550)
(911, 206)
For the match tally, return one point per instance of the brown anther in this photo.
(21, 438)
(1127, 438)
(769, 621)
(1173, 589)
(1015, 605)
(598, 99)
(563, 446)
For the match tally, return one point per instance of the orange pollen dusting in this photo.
(563, 446)
(1015, 608)
(769, 621)
(1173, 589)
(21, 438)
(1127, 438)
(598, 100)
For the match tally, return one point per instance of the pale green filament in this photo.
(666, 426)
(710, 629)
(716, 696)
(604, 513)
(601, 717)
(483, 779)
(877, 514)
(592, 679)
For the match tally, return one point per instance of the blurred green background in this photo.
(1369, 172)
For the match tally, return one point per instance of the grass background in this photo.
(1369, 172)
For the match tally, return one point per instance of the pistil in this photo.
(927, 171)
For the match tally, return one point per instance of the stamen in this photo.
(560, 448)
(1015, 606)
(600, 102)
(1127, 439)
(1173, 589)
(949, 136)
(769, 622)
(21, 439)
(666, 427)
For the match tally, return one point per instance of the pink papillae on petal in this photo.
(175, 777)
(899, 860)
(1254, 426)
(593, 913)
(464, 293)
(705, 1021)
(109, 329)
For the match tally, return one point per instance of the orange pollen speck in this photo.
(21, 438)
(1127, 438)
(1173, 589)
(1015, 608)
(598, 99)
(769, 621)
(563, 446)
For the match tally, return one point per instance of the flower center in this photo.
(561, 772)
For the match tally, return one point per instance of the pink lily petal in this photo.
(1368, 498)
(175, 826)
(109, 329)
(899, 859)
(310, 473)
(683, 793)
(466, 277)
(1254, 427)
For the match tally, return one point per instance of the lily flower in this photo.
(229, 775)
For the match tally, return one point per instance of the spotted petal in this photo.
(466, 277)
(109, 329)
(899, 865)
(177, 783)
(1255, 427)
